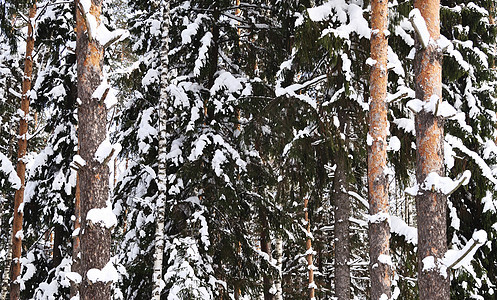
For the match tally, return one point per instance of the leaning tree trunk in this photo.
(162, 178)
(430, 205)
(379, 227)
(94, 175)
(342, 237)
(21, 164)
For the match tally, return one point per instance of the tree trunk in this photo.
(342, 237)
(5, 276)
(279, 264)
(21, 164)
(430, 205)
(75, 267)
(309, 251)
(266, 248)
(57, 242)
(94, 176)
(162, 178)
(379, 228)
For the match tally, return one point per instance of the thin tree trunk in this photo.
(279, 264)
(379, 228)
(342, 237)
(5, 277)
(57, 242)
(309, 251)
(266, 248)
(75, 267)
(21, 164)
(430, 205)
(94, 176)
(162, 178)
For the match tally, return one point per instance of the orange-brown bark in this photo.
(379, 231)
(21, 165)
(430, 205)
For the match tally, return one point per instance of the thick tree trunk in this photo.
(342, 237)
(309, 251)
(162, 178)
(94, 176)
(75, 267)
(430, 205)
(21, 164)
(379, 228)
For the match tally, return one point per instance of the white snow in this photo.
(105, 37)
(419, 24)
(76, 232)
(191, 29)
(405, 124)
(385, 259)
(106, 274)
(105, 149)
(452, 256)
(394, 62)
(225, 80)
(7, 168)
(379, 217)
(369, 139)
(370, 61)
(444, 185)
(20, 235)
(341, 11)
(102, 216)
(398, 226)
(79, 160)
(413, 190)
(415, 105)
(110, 98)
(202, 53)
(429, 263)
(73, 276)
(456, 142)
(86, 5)
(488, 203)
(394, 144)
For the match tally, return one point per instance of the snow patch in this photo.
(102, 216)
(107, 274)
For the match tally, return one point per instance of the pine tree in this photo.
(430, 203)
(379, 228)
(96, 214)
(17, 234)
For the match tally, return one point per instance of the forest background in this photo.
(234, 141)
